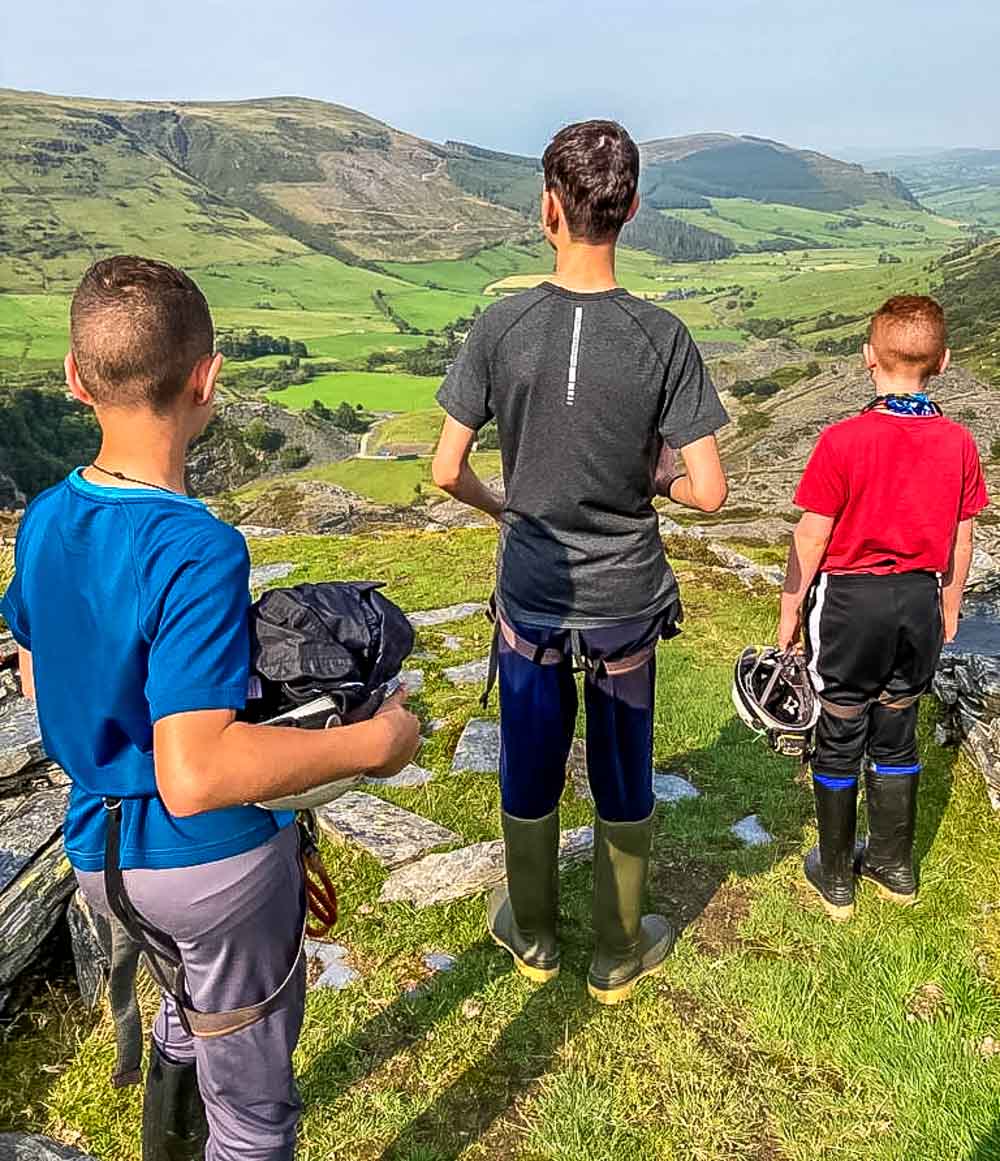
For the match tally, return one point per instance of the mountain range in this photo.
(284, 176)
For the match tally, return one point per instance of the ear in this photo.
(204, 378)
(74, 383)
(870, 358)
(551, 212)
(633, 209)
(945, 361)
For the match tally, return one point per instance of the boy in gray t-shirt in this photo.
(590, 387)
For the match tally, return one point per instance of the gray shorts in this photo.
(237, 923)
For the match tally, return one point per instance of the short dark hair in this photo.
(910, 330)
(593, 167)
(137, 329)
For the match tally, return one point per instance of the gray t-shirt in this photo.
(584, 389)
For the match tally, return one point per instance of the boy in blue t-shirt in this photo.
(130, 606)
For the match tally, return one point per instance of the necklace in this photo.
(131, 479)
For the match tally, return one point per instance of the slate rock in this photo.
(388, 833)
(327, 966)
(751, 833)
(31, 906)
(671, 788)
(439, 961)
(259, 532)
(576, 770)
(413, 679)
(443, 878)
(452, 643)
(267, 574)
(30, 1147)
(90, 937)
(20, 738)
(408, 778)
(478, 748)
(29, 829)
(471, 673)
(427, 618)
(8, 649)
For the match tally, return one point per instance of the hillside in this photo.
(959, 183)
(278, 178)
(969, 290)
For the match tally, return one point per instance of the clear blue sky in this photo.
(853, 75)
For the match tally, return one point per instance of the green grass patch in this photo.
(374, 390)
(418, 430)
(772, 1033)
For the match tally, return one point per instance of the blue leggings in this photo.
(538, 707)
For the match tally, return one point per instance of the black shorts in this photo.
(867, 636)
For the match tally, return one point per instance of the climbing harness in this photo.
(594, 668)
(133, 936)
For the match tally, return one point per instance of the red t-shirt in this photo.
(897, 487)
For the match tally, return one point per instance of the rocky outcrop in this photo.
(31, 1147)
(226, 458)
(309, 507)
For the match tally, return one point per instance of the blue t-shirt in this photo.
(134, 605)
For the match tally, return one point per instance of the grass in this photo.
(773, 1034)
(374, 390)
(419, 430)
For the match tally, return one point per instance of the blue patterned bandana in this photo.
(918, 405)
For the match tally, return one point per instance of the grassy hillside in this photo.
(969, 288)
(772, 1034)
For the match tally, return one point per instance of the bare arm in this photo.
(206, 760)
(26, 666)
(955, 578)
(704, 487)
(453, 473)
(812, 535)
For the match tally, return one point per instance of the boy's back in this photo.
(898, 487)
(584, 387)
(152, 592)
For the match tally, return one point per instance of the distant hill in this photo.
(281, 177)
(684, 172)
(959, 183)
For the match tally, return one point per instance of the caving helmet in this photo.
(774, 696)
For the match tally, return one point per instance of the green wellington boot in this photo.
(829, 867)
(174, 1126)
(892, 821)
(523, 916)
(628, 944)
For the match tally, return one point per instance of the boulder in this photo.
(31, 1147)
(90, 935)
(20, 740)
(31, 906)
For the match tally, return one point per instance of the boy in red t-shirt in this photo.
(880, 560)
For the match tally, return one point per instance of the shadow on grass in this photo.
(988, 1147)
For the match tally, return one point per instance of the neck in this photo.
(145, 447)
(586, 268)
(898, 385)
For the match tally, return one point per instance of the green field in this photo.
(374, 390)
(475, 274)
(748, 223)
(772, 1034)
(978, 204)
(417, 429)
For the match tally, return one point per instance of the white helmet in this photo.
(774, 696)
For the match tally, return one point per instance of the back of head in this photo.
(909, 335)
(593, 168)
(138, 327)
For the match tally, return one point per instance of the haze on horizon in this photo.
(856, 79)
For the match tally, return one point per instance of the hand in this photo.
(789, 629)
(950, 625)
(402, 735)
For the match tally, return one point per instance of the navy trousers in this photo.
(538, 708)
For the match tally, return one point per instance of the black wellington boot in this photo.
(174, 1126)
(628, 944)
(892, 820)
(829, 867)
(523, 916)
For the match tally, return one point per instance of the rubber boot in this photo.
(628, 944)
(892, 819)
(174, 1126)
(523, 916)
(829, 867)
